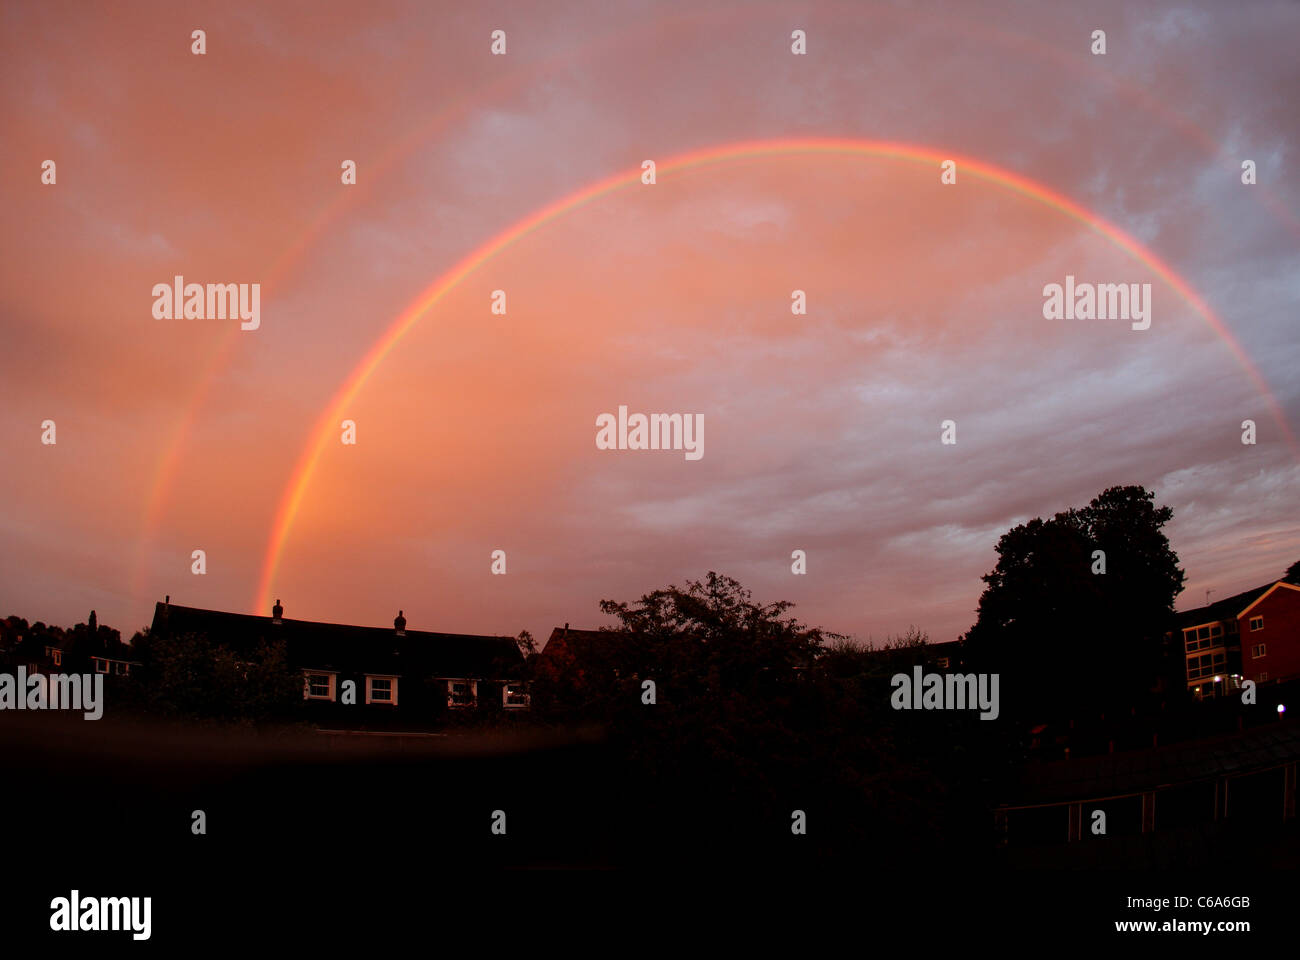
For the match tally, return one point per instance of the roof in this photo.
(1281, 585)
(1228, 608)
(564, 641)
(343, 647)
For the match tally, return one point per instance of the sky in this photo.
(476, 431)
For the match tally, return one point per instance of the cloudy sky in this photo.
(476, 431)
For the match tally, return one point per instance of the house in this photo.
(355, 673)
(1269, 628)
(112, 666)
(575, 654)
(55, 648)
(1254, 635)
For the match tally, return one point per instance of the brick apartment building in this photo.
(1253, 635)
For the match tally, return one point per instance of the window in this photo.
(461, 693)
(514, 696)
(320, 686)
(942, 663)
(381, 690)
(101, 666)
(1257, 651)
(123, 668)
(1256, 623)
(1206, 664)
(58, 658)
(1263, 677)
(1200, 638)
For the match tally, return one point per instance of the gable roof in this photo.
(1229, 608)
(564, 641)
(344, 647)
(1280, 585)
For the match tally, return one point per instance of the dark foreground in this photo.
(311, 838)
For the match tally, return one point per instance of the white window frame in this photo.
(330, 675)
(1263, 678)
(505, 696)
(370, 689)
(473, 693)
(122, 668)
(1256, 620)
(101, 665)
(1258, 650)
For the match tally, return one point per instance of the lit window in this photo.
(381, 690)
(514, 696)
(320, 686)
(461, 693)
(1256, 623)
(58, 658)
(1257, 650)
(942, 663)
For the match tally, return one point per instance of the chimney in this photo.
(277, 612)
(399, 624)
(566, 629)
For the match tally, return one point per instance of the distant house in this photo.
(577, 664)
(944, 656)
(948, 655)
(355, 674)
(1254, 635)
(565, 644)
(112, 666)
(55, 651)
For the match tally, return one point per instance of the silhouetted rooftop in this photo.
(338, 646)
(1228, 608)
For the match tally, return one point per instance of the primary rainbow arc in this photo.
(323, 432)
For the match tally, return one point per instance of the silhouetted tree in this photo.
(755, 714)
(187, 675)
(1292, 574)
(1065, 638)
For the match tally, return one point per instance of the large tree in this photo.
(1067, 637)
(1292, 574)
